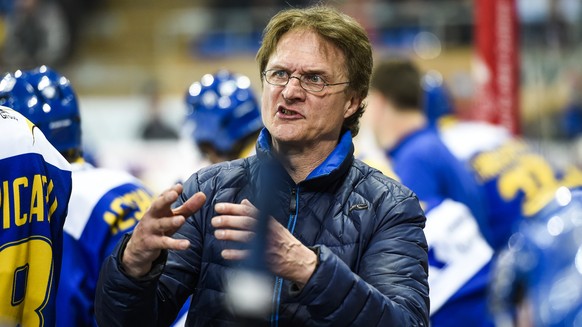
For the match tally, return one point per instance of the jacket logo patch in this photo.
(359, 206)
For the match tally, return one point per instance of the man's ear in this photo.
(352, 105)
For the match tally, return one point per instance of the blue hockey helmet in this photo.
(223, 110)
(18, 94)
(542, 269)
(437, 99)
(59, 118)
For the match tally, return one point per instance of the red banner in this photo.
(496, 66)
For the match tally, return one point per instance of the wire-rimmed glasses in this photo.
(309, 82)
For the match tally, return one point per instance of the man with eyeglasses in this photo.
(344, 243)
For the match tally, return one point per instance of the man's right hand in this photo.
(154, 231)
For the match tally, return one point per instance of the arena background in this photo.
(128, 58)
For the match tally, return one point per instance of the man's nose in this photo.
(295, 77)
(293, 89)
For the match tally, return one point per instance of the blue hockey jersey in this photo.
(35, 186)
(459, 256)
(105, 205)
(516, 179)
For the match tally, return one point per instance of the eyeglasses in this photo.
(309, 82)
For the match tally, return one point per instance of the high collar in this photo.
(334, 166)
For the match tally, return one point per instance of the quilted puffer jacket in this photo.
(365, 227)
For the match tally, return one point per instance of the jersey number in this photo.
(25, 281)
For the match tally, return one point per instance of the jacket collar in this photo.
(334, 166)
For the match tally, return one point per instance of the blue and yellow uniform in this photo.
(538, 279)
(105, 204)
(517, 180)
(459, 256)
(35, 186)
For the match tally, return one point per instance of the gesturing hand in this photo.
(153, 233)
(286, 255)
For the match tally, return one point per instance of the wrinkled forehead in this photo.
(314, 49)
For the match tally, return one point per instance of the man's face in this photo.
(296, 117)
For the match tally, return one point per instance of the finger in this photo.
(176, 188)
(237, 222)
(192, 205)
(233, 235)
(169, 243)
(234, 254)
(162, 205)
(252, 208)
(235, 209)
(169, 225)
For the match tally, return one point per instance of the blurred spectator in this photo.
(571, 118)
(549, 22)
(155, 128)
(36, 33)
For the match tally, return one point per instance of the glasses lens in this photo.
(276, 77)
(309, 86)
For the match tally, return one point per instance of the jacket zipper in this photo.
(278, 280)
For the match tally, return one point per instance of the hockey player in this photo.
(35, 186)
(223, 118)
(516, 179)
(459, 255)
(104, 204)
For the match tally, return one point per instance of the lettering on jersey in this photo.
(23, 191)
(490, 164)
(4, 114)
(27, 281)
(520, 172)
(572, 178)
(126, 210)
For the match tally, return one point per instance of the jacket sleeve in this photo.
(156, 298)
(391, 287)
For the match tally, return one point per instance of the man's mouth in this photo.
(287, 112)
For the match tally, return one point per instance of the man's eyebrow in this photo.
(275, 67)
(322, 73)
(310, 71)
